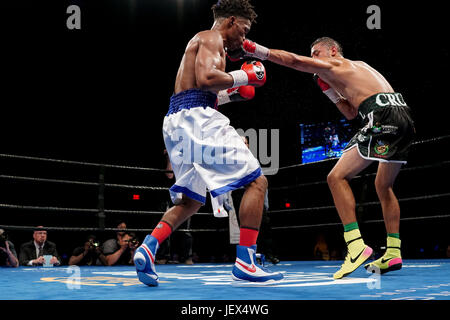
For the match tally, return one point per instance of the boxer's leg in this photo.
(349, 165)
(252, 203)
(250, 214)
(180, 212)
(384, 182)
(144, 259)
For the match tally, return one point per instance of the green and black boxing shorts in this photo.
(388, 129)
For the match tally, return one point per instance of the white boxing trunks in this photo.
(206, 153)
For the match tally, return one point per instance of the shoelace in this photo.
(261, 266)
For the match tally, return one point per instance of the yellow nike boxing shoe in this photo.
(357, 253)
(390, 261)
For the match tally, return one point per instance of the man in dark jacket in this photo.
(32, 253)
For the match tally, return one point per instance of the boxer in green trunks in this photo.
(387, 132)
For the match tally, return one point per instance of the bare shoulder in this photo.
(364, 65)
(359, 62)
(210, 38)
(202, 38)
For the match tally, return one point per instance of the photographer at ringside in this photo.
(90, 254)
(121, 251)
(8, 255)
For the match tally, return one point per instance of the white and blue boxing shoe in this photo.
(144, 260)
(246, 267)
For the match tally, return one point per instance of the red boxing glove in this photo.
(332, 94)
(322, 84)
(252, 73)
(255, 50)
(256, 73)
(241, 93)
(249, 49)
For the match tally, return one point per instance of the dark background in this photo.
(100, 94)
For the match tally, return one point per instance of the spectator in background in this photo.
(121, 251)
(327, 140)
(119, 234)
(121, 225)
(8, 255)
(32, 253)
(334, 138)
(448, 251)
(90, 254)
(321, 251)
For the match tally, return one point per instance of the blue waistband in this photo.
(191, 98)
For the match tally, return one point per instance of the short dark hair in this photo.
(241, 8)
(329, 43)
(91, 237)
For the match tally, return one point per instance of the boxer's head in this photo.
(237, 17)
(326, 47)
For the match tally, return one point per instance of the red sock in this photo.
(162, 231)
(248, 237)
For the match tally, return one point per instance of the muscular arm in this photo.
(310, 65)
(300, 63)
(208, 62)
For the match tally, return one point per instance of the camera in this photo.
(133, 241)
(93, 244)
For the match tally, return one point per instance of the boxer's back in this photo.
(356, 81)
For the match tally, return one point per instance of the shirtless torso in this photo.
(204, 49)
(355, 80)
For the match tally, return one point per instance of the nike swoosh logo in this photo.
(353, 260)
(252, 269)
(384, 261)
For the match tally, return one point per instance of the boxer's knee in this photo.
(188, 204)
(260, 184)
(382, 186)
(332, 178)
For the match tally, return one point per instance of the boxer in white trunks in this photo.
(206, 153)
